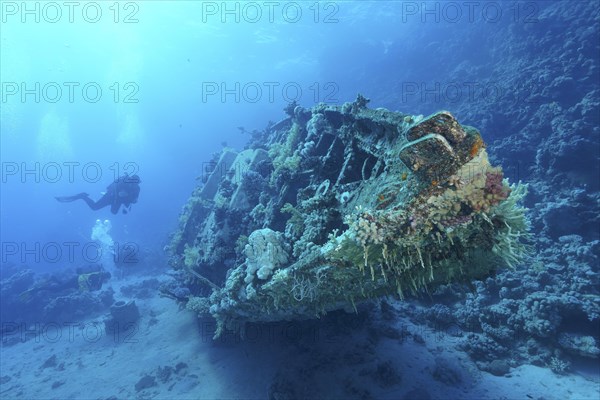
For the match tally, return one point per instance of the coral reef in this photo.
(265, 251)
(26, 297)
(543, 127)
(530, 314)
(347, 204)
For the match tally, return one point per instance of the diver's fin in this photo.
(67, 199)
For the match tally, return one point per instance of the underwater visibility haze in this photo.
(300, 200)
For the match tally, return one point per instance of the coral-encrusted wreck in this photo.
(338, 204)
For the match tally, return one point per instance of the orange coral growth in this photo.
(477, 145)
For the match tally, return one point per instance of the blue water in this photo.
(166, 122)
(176, 81)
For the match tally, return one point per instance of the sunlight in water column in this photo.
(54, 140)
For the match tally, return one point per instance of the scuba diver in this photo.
(123, 191)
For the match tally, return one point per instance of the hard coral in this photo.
(265, 251)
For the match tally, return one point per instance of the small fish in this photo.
(381, 197)
(404, 176)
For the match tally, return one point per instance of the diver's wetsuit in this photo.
(124, 191)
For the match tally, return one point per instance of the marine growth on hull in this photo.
(338, 204)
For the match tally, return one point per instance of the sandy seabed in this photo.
(171, 355)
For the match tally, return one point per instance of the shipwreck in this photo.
(335, 205)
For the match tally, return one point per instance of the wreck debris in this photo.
(342, 204)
